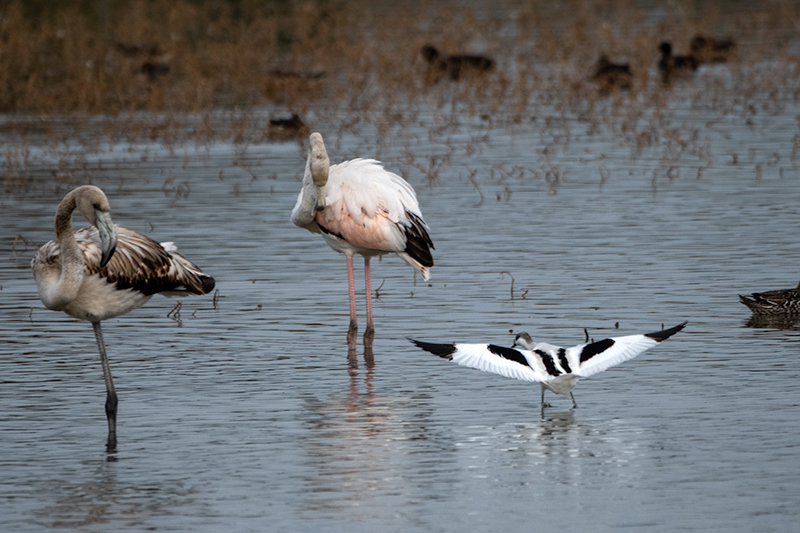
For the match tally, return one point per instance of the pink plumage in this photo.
(361, 208)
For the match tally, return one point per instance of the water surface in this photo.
(250, 416)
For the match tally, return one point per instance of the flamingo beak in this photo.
(321, 197)
(108, 236)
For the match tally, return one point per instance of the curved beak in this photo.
(108, 236)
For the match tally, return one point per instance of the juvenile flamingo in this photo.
(556, 369)
(104, 271)
(360, 208)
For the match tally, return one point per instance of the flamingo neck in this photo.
(71, 276)
(312, 196)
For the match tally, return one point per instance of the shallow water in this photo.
(251, 416)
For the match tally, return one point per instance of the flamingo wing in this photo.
(142, 264)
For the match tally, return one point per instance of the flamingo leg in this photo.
(369, 334)
(111, 393)
(353, 329)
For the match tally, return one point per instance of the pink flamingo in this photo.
(360, 208)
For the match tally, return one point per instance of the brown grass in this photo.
(356, 62)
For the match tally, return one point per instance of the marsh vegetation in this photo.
(94, 73)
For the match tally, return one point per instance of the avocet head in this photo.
(524, 341)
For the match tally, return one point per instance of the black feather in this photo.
(663, 335)
(508, 353)
(590, 350)
(549, 363)
(418, 242)
(442, 350)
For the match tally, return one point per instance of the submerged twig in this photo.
(377, 291)
(475, 182)
(25, 241)
(175, 314)
(512, 281)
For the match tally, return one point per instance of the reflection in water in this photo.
(361, 444)
(774, 322)
(103, 500)
(560, 450)
(81, 504)
(369, 338)
(555, 423)
(347, 459)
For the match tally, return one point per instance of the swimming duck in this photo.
(610, 76)
(710, 50)
(281, 129)
(454, 66)
(779, 302)
(672, 66)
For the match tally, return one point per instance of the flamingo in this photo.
(104, 271)
(556, 369)
(360, 208)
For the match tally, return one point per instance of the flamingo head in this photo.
(93, 205)
(319, 165)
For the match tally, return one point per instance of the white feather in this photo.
(624, 348)
(557, 369)
(479, 357)
(367, 188)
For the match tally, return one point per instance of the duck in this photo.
(287, 128)
(456, 67)
(710, 50)
(780, 302)
(610, 76)
(672, 66)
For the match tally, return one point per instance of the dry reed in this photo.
(194, 71)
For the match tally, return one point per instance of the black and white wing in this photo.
(507, 362)
(597, 356)
(546, 362)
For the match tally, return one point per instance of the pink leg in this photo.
(353, 329)
(369, 334)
